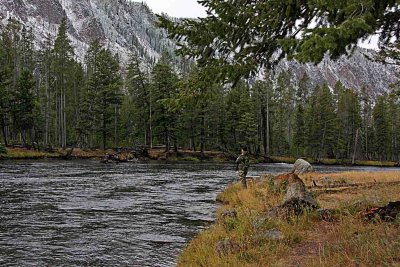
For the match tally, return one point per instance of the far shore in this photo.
(180, 156)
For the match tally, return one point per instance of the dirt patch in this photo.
(311, 246)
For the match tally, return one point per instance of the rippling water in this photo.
(79, 213)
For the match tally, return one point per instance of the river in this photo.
(83, 213)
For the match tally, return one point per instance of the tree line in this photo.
(49, 99)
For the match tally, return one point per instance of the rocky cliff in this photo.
(121, 25)
(126, 26)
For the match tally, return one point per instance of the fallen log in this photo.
(387, 213)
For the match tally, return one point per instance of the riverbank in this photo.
(151, 154)
(347, 162)
(243, 234)
(159, 154)
(23, 153)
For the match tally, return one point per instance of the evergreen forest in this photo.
(48, 99)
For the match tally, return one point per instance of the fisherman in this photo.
(243, 166)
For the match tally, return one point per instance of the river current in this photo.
(84, 213)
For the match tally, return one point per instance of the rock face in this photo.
(301, 166)
(128, 26)
(122, 26)
(355, 72)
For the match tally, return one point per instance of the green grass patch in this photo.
(190, 159)
(28, 154)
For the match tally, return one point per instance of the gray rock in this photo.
(296, 200)
(229, 214)
(258, 222)
(274, 234)
(301, 166)
(225, 247)
(327, 215)
(296, 191)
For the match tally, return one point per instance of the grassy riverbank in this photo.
(23, 153)
(372, 163)
(347, 239)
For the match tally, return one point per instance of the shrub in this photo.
(3, 149)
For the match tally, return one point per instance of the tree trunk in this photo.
(268, 132)
(4, 130)
(104, 131)
(203, 130)
(115, 127)
(150, 121)
(264, 129)
(353, 161)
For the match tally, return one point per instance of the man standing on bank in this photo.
(243, 166)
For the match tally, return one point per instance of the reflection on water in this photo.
(75, 213)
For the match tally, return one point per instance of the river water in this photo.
(83, 213)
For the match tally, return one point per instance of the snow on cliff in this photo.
(125, 26)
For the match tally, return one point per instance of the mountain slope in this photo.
(355, 72)
(125, 26)
(121, 25)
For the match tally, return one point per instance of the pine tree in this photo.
(262, 94)
(321, 123)
(63, 57)
(109, 94)
(23, 105)
(381, 127)
(140, 100)
(300, 138)
(164, 88)
(5, 81)
(239, 36)
(349, 120)
(394, 124)
(366, 113)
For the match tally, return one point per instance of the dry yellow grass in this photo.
(347, 241)
(354, 177)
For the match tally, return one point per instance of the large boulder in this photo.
(297, 198)
(301, 166)
(298, 194)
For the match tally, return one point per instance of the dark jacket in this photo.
(243, 163)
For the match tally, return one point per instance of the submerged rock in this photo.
(301, 166)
